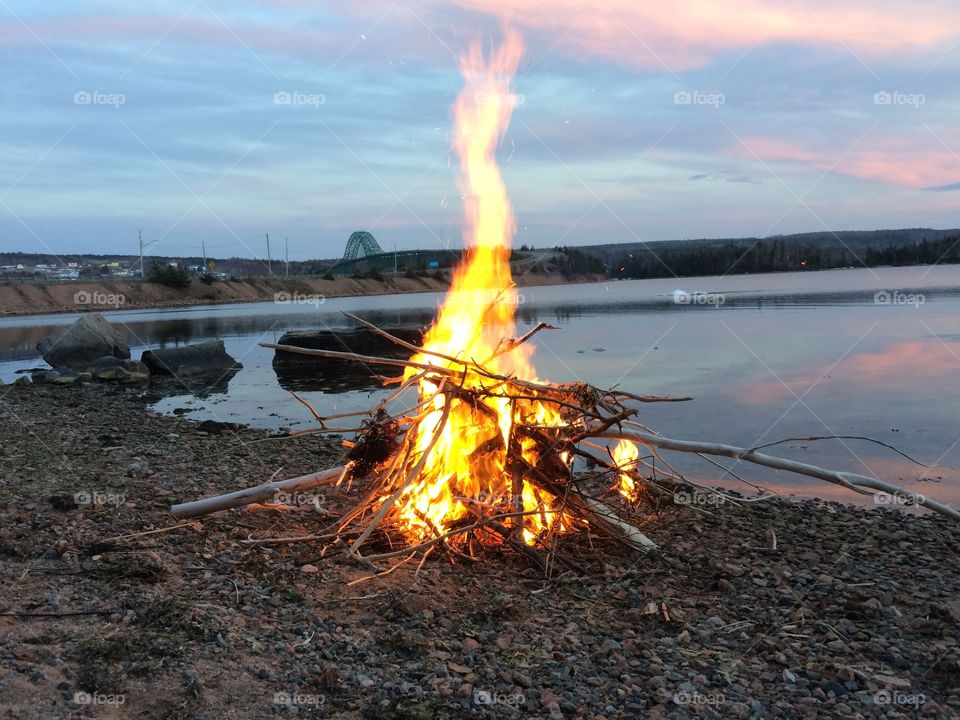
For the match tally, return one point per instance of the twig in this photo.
(852, 481)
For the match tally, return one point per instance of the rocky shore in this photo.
(111, 608)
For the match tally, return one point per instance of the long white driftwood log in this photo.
(848, 480)
(267, 490)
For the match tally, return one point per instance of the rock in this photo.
(892, 682)
(788, 676)
(111, 369)
(62, 376)
(725, 586)
(657, 682)
(187, 360)
(296, 371)
(716, 622)
(89, 338)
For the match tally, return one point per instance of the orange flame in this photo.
(466, 472)
(625, 456)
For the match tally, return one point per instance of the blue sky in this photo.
(221, 121)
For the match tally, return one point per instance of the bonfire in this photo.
(489, 454)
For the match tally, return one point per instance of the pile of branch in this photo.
(386, 461)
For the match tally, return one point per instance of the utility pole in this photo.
(269, 262)
(203, 245)
(286, 253)
(140, 237)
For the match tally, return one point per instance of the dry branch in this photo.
(256, 494)
(851, 481)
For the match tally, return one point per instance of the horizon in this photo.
(218, 123)
(279, 260)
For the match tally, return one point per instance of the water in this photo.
(773, 356)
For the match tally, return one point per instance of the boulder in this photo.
(189, 360)
(89, 338)
(313, 373)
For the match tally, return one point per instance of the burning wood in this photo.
(486, 454)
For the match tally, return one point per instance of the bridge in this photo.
(361, 244)
(363, 254)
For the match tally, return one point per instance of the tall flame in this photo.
(465, 449)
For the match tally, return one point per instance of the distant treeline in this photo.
(776, 256)
(571, 261)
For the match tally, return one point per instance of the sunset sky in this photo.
(220, 121)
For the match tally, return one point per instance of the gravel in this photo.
(854, 615)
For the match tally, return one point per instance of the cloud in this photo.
(949, 187)
(900, 161)
(687, 34)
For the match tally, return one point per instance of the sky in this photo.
(216, 122)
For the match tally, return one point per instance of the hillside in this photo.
(851, 239)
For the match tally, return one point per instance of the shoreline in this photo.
(53, 298)
(853, 614)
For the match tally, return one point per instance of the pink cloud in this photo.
(900, 161)
(680, 35)
(688, 33)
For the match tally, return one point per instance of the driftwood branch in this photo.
(267, 490)
(851, 481)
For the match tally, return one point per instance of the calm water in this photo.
(784, 355)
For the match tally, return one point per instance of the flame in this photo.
(625, 456)
(467, 472)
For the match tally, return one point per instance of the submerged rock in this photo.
(296, 371)
(190, 360)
